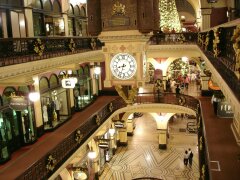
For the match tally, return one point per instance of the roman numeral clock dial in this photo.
(123, 66)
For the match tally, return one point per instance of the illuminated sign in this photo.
(68, 83)
(18, 103)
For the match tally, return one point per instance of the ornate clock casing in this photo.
(123, 66)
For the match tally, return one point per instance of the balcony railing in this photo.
(23, 50)
(70, 144)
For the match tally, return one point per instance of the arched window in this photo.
(38, 18)
(47, 5)
(83, 12)
(8, 91)
(71, 21)
(43, 84)
(37, 4)
(56, 7)
(53, 81)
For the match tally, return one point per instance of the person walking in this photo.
(185, 158)
(177, 91)
(190, 157)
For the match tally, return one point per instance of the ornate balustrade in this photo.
(168, 98)
(23, 50)
(173, 38)
(53, 159)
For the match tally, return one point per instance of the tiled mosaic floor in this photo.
(142, 158)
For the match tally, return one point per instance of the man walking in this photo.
(190, 157)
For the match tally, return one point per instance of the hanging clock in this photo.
(123, 66)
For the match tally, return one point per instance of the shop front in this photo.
(47, 18)
(83, 91)
(55, 102)
(107, 148)
(17, 121)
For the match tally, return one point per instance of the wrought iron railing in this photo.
(23, 50)
(173, 38)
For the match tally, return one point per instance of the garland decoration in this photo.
(38, 46)
(216, 41)
(98, 120)
(110, 107)
(51, 162)
(78, 136)
(236, 46)
(72, 45)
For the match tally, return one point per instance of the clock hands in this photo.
(123, 66)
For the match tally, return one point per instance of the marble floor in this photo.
(142, 157)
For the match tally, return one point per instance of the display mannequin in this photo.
(50, 109)
(57, 107)
(45, 114)
(26, 126)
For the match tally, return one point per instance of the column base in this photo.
(122, 144)
(130, 133)
(162, 146)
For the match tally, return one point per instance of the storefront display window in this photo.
(38, 24)
(83, 93)
(4, 152)
(58, 27)
(55, 108)
(71, 27)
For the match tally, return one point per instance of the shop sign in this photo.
(68, 83)
(224, 110)
(18, 103)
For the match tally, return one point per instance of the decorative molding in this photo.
(41, 66)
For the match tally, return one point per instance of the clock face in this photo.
(123, 66)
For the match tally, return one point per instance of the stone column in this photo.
(65, 19)
(206, 18)
(130, 127)
(122, 132)
(37, 104)
(29, 22)
(162, 140)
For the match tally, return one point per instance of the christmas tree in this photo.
(169, 19)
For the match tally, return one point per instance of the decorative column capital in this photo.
(206, 11)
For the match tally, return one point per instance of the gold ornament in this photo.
(110, 107)
(118, 9)
(71, 45)
(216, 41)
(236, 46)
(51, 162)
(38, 46)
(98, 120)
(78, 136)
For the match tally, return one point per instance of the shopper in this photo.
(185, 158)
(190, 157)
(177, 91)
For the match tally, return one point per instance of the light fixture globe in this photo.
(79, 175)
(34, 96)
(92, 154)
(97, 70)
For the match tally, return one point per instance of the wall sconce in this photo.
(92, 154)
(97, 71)
(111, 131)
(34, 96)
